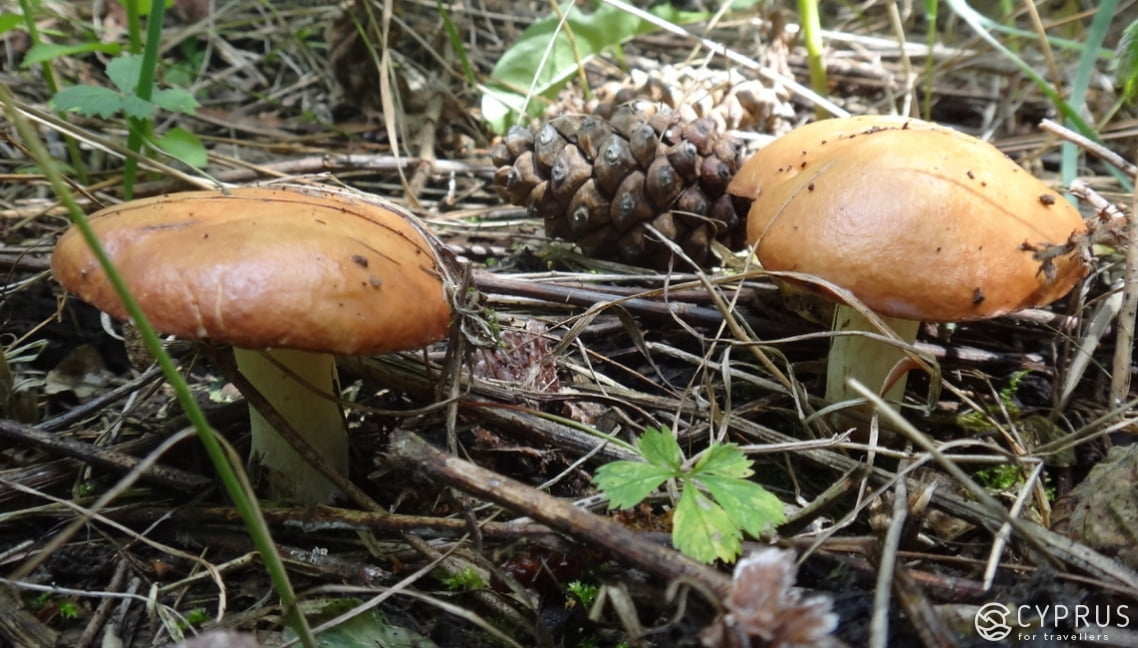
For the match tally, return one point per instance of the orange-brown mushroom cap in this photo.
(316, 269)
(916, 220)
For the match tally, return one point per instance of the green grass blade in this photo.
(1104, 14)
(456, 43)
(144, 90)
(990, 25)
(931, 9)
(977, 23)
(812, 39)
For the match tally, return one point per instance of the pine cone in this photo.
(602, 182)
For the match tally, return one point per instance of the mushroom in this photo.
(919, 222)
(291, 276)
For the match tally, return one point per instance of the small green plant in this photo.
(48, 605)
(717, 503)
(135, 96)
(1009, 391)
(978, 420)
(124, 71)
(584, 593)
(68, 610)
(197, 616)
(1000, 478)
(465, 581)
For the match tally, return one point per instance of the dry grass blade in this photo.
(1120, 375)
(1045, 542)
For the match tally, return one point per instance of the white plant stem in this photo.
(301, 386)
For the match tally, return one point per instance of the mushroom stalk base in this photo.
(868, 360)
(301, 389)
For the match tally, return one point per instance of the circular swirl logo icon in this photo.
(992, 621)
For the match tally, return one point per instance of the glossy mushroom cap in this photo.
(918, 221)
(316, 269)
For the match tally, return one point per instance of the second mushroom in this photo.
(917, 221)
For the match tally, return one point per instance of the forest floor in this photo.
(1005, 478)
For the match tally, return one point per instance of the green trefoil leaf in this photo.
(702, 530)
(627, 483)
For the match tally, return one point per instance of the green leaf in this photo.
(136, 107)
(183, 145)
(702, 530)
(175, 100)
(1126, 76)
(627, 483)
(41, 52)
(10, 21)
(748, 505)
(88, 100)
(545, 56)
(724, 459)
(659, 448)
(123, 71)
(456, 42)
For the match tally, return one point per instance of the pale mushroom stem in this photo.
(301, 387)
(868, 360)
